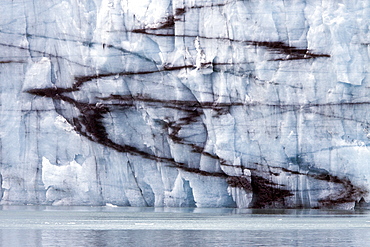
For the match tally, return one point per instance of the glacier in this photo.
(185, 103)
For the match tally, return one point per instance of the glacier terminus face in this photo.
(191, 103)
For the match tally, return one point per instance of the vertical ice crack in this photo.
(137, 183)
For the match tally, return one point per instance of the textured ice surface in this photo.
(185, 103)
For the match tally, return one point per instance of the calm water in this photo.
(121, 226)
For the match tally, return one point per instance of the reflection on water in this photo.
(183, 238)
(108, 226)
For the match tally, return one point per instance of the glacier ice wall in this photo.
(207, 103)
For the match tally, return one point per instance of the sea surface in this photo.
(129, 226)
